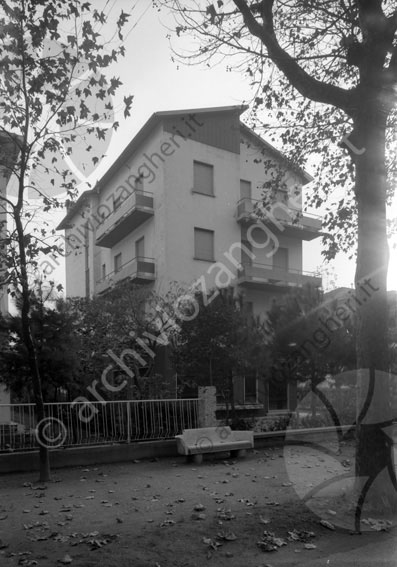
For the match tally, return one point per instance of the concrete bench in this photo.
(194, 443)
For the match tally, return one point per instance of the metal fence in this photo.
(91, 423)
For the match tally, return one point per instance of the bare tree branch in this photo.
(305, 84)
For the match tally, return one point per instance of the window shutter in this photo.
(204, 244)
(203, 178)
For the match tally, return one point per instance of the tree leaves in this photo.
(219, 342)
(127, 105)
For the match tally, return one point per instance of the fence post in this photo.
(128, 422)
(5, 410)
(207, 406)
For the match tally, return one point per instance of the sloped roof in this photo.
(73, 209)
(306, 177)
(145, 131)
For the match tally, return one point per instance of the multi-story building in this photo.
(183, 203)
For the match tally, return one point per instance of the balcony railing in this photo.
(91, 423)
(139, 270)
(290, 221)
(131, 213)
(262, 275)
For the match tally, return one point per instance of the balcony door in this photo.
(245, 189)
(140, 248)
(280, 259)
(246, 253)
(117, 262)
(139, 185)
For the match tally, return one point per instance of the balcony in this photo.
(132, 212)
(262, 276)
(292, 222)
(139, 270)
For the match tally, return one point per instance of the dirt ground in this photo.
(167, 513)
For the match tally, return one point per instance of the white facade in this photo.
(145, 217)
(180, 204)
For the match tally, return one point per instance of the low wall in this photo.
(297, 436)
(104, 454)
(80, 456)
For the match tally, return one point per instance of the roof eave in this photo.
(142, 134)
(150, 124)
(304, 175)
(73, 210)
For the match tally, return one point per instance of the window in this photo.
(203, 178)
(116, 202)
(103, 271)
(278, 395)
(204, 244)
(117, 262)
(250, 393)
(140, 248)
(280, 258)
(245, 189)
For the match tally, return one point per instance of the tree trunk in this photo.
(313, 404)
(231, 395)
(313, 396)
(32, 356)
(37, 390)
(375, 480)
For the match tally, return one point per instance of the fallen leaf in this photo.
(167, 523)
(227, 536)
(66, 560)
(378, 525)
(270, 542)
(327, 525)
(300, 535)
(198, 516)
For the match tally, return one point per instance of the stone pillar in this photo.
(207, 406)
(292, 395)
(5, 412)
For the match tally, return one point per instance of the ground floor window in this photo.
(250, 390)
(278, 395)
